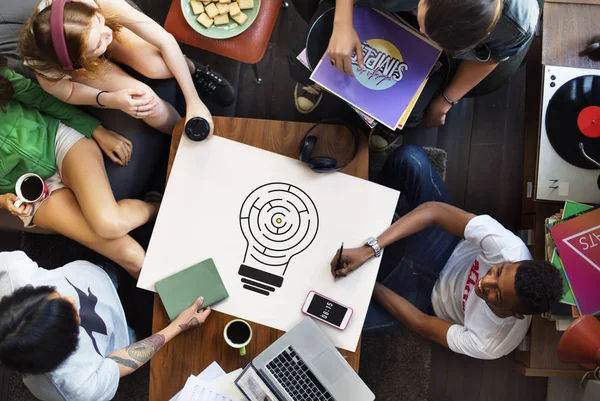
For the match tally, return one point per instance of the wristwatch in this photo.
(372, 242)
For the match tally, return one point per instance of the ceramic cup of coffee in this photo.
(238, 334)
(30, 188)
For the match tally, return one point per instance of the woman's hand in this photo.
(198, 109)
(352, 259)
(7, 201)
(134, 102)
(343, 42)
(117, 148)
(193, 316)
(436, 112)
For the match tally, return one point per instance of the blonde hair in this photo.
(36, 48)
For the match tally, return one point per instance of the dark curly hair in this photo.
(539, 286)
(37, 334)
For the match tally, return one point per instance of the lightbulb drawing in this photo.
(278, 221)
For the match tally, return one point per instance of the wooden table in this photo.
(192, 351)
(248, 47)
(567, 28)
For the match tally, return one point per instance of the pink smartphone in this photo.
(327, 310)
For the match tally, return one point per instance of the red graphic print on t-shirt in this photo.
(472, 279)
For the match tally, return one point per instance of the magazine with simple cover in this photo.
(370, 121)
(397, 62)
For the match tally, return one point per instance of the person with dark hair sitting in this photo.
(480, 33)
(65, 332)
(461, 280)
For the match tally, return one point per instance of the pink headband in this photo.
(57, 33)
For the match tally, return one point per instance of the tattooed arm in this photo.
(130, 358)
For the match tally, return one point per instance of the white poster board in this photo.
(242, 205)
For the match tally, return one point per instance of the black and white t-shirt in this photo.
(86, 374)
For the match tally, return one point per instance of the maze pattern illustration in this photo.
(282, 221)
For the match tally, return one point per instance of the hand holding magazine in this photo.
(397, 62)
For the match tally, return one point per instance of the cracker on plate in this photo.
(197, 7)
(223, 8)
(234, 9)
(222, 19)
(246, 4)
(211, 10)
(205, 20)
(240, 18)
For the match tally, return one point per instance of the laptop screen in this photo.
(253, 387)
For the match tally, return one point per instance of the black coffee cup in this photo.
(238, 334)
(197, 129)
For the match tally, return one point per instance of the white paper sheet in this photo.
(202, 217)
(212, 372)
(198, 390)
(226, 385)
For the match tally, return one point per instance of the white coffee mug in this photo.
(38, 196)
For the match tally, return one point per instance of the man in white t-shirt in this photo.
(475, 275)
(64, 330)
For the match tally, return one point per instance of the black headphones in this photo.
(322, 164)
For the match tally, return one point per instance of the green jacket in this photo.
(28, 128)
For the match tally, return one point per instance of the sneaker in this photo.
(213, 85)
(382, 138)
(307, 98)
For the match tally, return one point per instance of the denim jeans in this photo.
(411, 266)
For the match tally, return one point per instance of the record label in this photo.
(588, 121)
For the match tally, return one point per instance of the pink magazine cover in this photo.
(397, 62)
(578, 243)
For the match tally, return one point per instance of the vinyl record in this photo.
(573, 120)
(318, 37)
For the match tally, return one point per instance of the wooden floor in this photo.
(484, 141)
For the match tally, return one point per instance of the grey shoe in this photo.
(307, 98)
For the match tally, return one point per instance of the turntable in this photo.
(569, 151)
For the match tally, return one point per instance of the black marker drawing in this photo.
(278, 221)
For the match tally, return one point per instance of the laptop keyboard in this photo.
(296, 378)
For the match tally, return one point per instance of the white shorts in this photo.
(65, 138)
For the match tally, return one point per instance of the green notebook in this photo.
(180, 290)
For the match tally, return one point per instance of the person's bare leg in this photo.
(61, 213)
(84, 173)
(114, 79)
(142, 56)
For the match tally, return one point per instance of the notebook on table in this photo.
(180, 290)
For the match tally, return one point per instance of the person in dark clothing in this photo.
(481, 34)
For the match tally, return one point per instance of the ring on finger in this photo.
(332, 61)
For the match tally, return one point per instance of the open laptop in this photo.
(302, 365)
